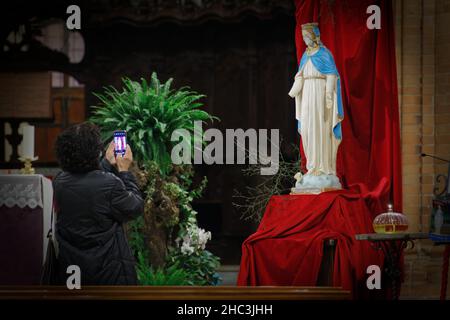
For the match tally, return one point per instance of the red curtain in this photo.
(370, 150)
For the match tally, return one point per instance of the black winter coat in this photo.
(91, 208)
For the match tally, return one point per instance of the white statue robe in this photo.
(316, 119)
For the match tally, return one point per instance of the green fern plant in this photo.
(149, 112)
(171, 276)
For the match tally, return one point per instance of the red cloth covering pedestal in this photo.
(288, 245)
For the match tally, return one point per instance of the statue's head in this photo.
(311, 34)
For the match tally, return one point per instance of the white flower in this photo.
(186, 248)
(203, 238)
(195, 239)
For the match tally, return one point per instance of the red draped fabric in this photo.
(287, 247)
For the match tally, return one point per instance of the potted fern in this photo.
(168, 245)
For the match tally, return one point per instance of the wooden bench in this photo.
(173, 293)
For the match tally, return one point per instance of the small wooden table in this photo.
(392, 246)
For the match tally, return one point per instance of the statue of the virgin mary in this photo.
(319, 112)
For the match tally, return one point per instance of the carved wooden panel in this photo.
(143, 12)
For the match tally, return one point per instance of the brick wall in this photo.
(423, 60)
(442, 107)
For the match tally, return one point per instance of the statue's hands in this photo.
(296, 87)
(328, 108)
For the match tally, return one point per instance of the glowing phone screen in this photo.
(120, 142)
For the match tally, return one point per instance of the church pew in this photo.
(173, 293)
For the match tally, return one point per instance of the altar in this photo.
(25, 212)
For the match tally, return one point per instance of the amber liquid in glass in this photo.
(390, 228)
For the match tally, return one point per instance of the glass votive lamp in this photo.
(390, 222)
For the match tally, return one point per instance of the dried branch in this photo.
(253, 200)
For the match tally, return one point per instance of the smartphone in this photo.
(120, 142)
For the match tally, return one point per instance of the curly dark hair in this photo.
(78, 148)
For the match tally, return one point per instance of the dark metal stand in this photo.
(392, 246)
(393, 250)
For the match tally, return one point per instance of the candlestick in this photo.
(27, 166)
